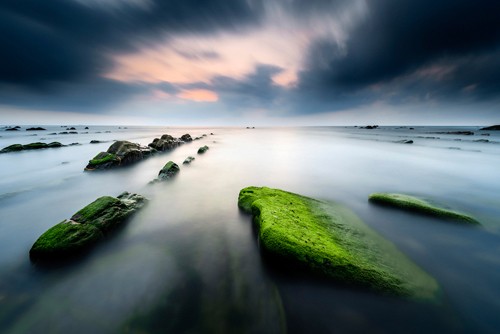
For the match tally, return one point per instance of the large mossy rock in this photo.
(414, 204)
(120, 153)
(330, 240)
(86, 228)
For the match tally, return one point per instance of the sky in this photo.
(250, 62)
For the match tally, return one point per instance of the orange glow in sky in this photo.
(199, 95)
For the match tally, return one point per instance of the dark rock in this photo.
(485, 134)
(186, 137)
(211, 133)
(86, 128)
(86, 228)
(411, 128)
(74, 144)
(166, 142)
(17, 127)
(188, 160)
(203, 149)
(482, 141)
(36, 129)
(95, 141)
(121, 153)
(53, 133)
(72, 128)
(169, 170)
(462, 133)
(493, 127)
(404, 141)
(31, 146)
(369, 127)
(12, 129)
(12, 148)
(63, 133)
(73, 133)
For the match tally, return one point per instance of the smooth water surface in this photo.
(189, 261)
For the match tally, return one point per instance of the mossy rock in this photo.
(87, 227)
(169, 170)
(203, 149)
(103, 160)
(35, 146)
(64, 240)
(12, 148)
(329, 239)
(414, 204)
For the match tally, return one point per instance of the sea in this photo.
(189, 262)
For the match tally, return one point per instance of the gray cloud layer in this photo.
(54, 52)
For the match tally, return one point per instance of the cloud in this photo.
(409, 49)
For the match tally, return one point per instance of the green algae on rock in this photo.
(331, 240)
(414, 204)
(120, 153)
(203, 149)
(86, 228)
(169, 170)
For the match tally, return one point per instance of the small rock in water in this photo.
(188, 160)
(36, 129)
(203, 149)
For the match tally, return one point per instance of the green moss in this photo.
(12, 148)
(65, 239)
(188, 160)
(169, 170)
(102, 158)
(414, 204)
(86, 227)
(35, 146)
(203, 149)
(104, 213)
(329, 239)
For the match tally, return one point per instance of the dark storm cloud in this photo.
(65, 40)
(399, 38)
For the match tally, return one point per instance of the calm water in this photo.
(189, 262)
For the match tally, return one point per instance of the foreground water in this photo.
(189, 262)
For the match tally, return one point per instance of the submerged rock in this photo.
(86, 228)
(95, 141)
(36, 129)
(330, 240)
(169, 170)
(414, 204)
(369, 127)
(31, 146)
(188, 160)
(462, 133)
(405, 141)
(203, 149)
(493, 127)
(121, 153)
(12, 129)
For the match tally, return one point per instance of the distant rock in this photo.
(121, 153)
(211, 133)
(72, 133)
(86, 228)
(461, 133)
(482, 141)
(188, 160)
(12, 129)
(36, 129)
(64, 133)
(404, 141)
(485, 134)
(369, 127)
(186, 137)
(166, 142)
(95, 141)
(72, 128)
(493, 127)
(86, 128)
(74, 144)
(31, 146)
(169, 170)
(203, 149)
